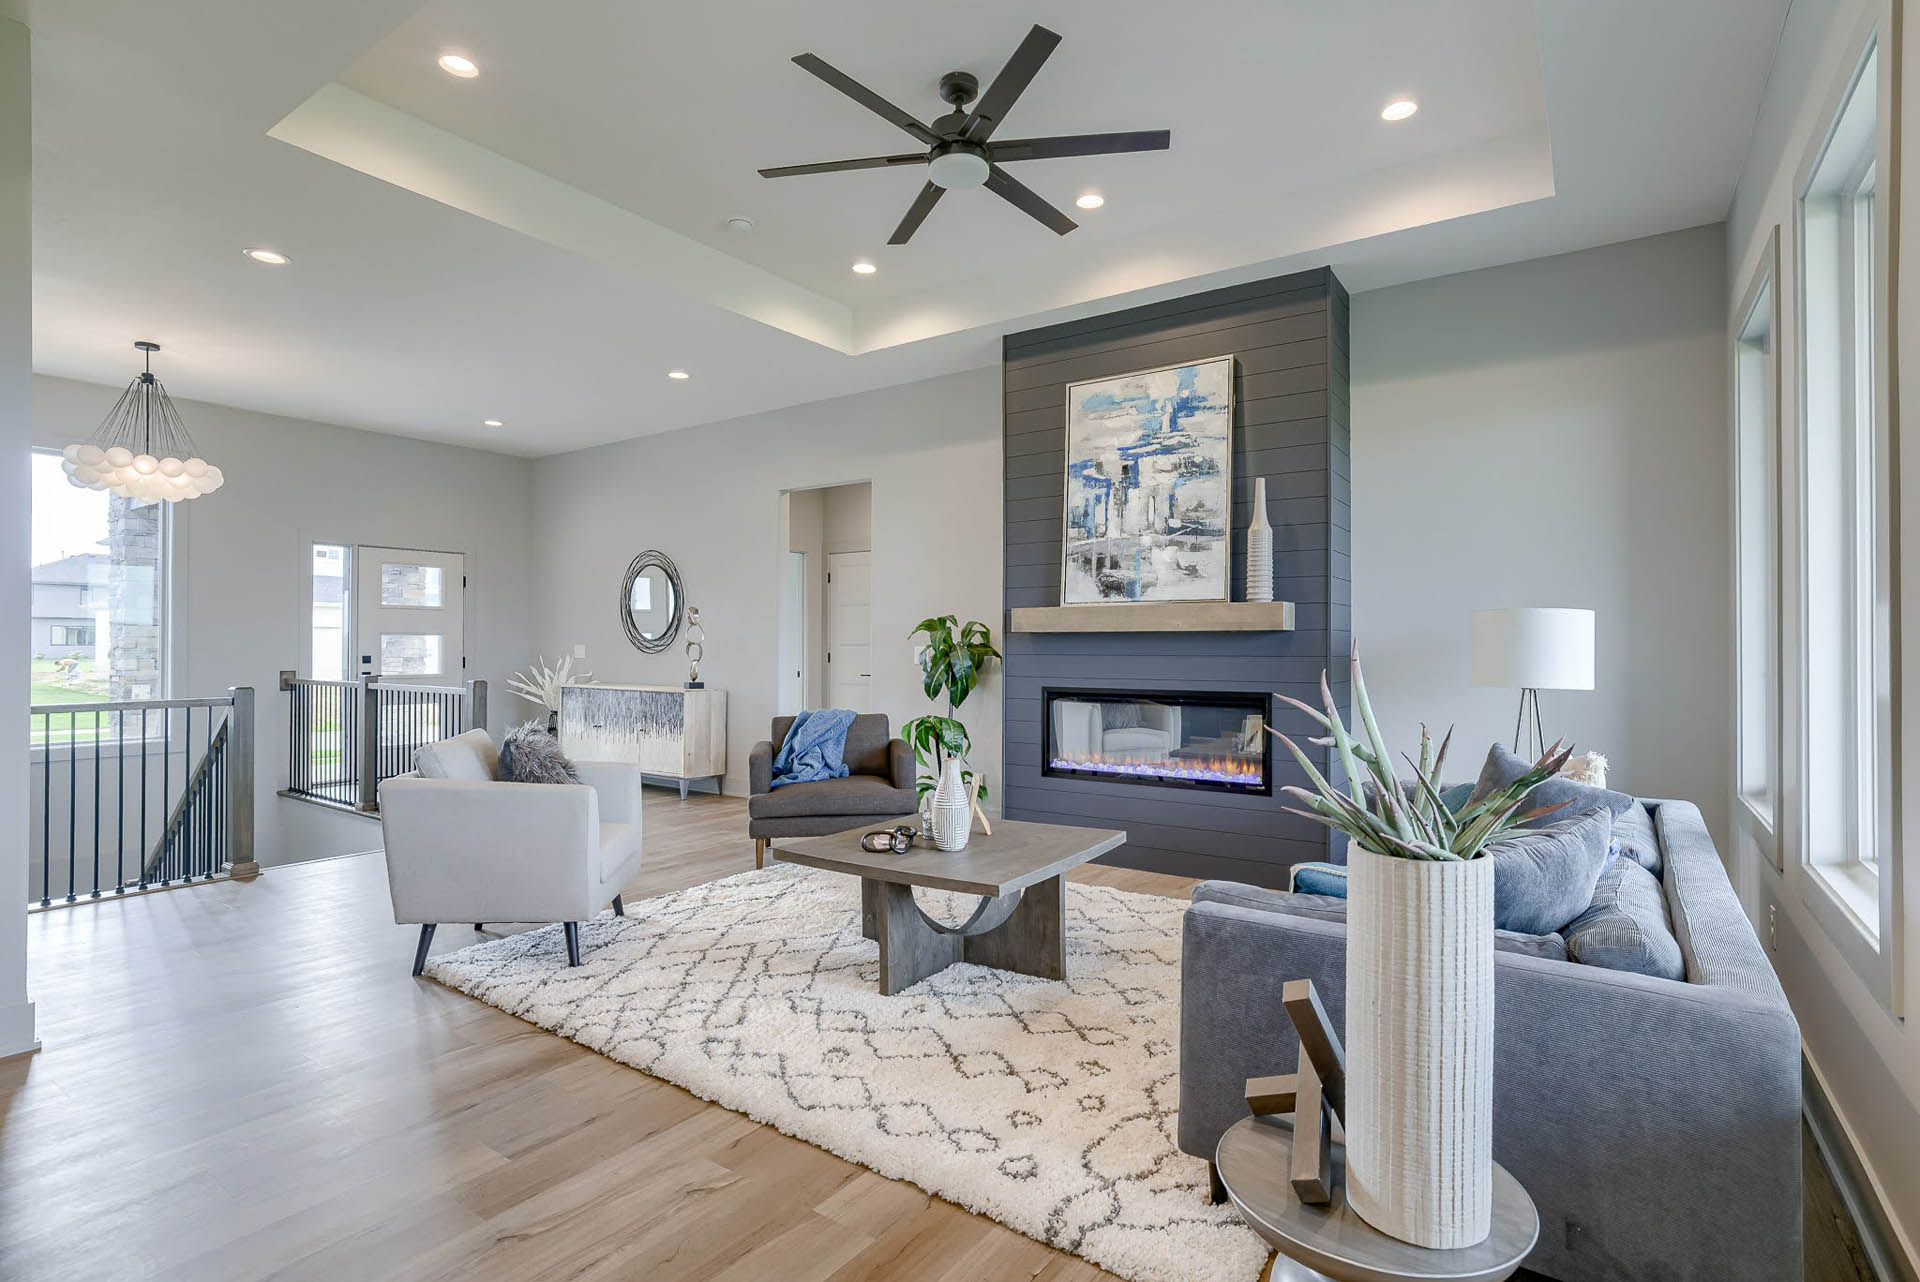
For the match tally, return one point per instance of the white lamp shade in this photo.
(1532, 649)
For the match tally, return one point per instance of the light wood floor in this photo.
(241, 1081)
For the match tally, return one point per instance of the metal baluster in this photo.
(46, 810)
(96, 805)
(120, 804)
(166, 792)
(143, 798)
(206, 799)
(73, 799)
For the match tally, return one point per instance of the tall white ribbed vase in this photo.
(1420, 1047)
(1260, 546)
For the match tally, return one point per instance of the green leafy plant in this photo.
(951, 666)
(1378, 815)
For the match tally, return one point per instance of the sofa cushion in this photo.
(1503, 767)
(1543, 878)
(1634, 837)
(1626, 926)
(470, 756)
(857, 794)
(1330, 908)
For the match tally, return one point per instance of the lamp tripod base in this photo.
(1527, 721)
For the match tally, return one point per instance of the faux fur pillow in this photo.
(530, 755)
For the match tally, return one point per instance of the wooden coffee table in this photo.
(1018, 872)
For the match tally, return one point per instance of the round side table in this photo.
(1333, 1242)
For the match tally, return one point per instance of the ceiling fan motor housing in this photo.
(957, 164)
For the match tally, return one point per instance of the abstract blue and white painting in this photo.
(1148, 485)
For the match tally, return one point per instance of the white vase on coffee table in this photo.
(952, 808)
(1419, 1118)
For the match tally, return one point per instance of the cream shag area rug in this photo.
(1047, 1106)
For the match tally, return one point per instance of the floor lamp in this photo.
(1533, 649)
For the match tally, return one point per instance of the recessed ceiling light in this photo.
(864, 268)
(271, 257)
(737, 223)
(1090, 200)
(678, 374)
(492, 422)
(460, 65)
(1399, 109)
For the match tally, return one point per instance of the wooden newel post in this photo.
(240, 746)
(477, 704)
(369, 745)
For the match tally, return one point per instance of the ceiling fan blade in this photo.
(1079, 145)
(1014, 192)
(1009, 84)
(917, 213)
(864, 96)
(835, 166)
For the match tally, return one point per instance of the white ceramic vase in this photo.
(1420, 1047)
(1260, 546)
(952, 808)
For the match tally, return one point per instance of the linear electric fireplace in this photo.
(1216, 741)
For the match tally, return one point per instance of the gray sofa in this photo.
(1655, 1123)
(880, 786)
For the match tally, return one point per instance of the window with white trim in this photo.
(1757, 548)
(1846, 505)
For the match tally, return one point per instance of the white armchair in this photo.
(462, 846)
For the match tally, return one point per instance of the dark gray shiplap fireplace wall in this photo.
(1289, 339)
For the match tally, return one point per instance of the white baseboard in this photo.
(16, 1030)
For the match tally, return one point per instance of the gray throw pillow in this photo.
(1543, 878)
(1503, 767)
(1634, 837)
(1626, 926)
(530, 755)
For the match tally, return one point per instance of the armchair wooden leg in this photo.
(420, 953)
(573, 943)
(759, 852)
(619, 909)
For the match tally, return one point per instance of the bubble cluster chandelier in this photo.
(142, 450)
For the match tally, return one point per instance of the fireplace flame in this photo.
(1231, 770)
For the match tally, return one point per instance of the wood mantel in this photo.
(1155, 616)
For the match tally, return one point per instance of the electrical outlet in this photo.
(1773, 927)
(579, 651)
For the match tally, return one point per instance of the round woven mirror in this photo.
(651, 602)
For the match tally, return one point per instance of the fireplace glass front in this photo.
(1216, 741)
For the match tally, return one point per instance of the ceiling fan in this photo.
(960, 148)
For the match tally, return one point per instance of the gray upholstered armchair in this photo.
(880, 786)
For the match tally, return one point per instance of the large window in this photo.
(1757, 549)
(327, 620)
(1846, 495)
(98, 627)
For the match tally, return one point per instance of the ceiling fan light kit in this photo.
(960, 151)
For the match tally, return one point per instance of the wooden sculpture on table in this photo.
(1315, 1092)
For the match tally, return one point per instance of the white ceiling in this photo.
(541, 243)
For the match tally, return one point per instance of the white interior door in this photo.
(409, 611)
(793, 633)
(849, 630)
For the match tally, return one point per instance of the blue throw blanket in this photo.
(815, 748)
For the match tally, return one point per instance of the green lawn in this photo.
(84, 685)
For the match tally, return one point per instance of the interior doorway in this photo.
(826, 639)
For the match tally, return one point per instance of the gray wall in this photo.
(239, 610)
(1288, 336)
(1551, 433)
(711, 498)
(16, 529)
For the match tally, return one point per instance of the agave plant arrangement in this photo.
(542, 684)
(1412, 823)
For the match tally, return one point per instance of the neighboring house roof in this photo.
(81, 568)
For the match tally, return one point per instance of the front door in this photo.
(849, 631)
(409, 615)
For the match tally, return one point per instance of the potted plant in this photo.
(542, 685)
(1419, 1094)
(951, 666)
